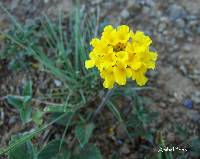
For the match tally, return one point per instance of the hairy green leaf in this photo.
(88, 152)
(51, 151)
(37, 117)
(83, 133)
(22, 104)
(23, 151)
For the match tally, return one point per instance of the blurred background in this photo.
(173, 25)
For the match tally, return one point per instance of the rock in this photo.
(180, 33)
(121, 133)
(12, 120)
(180, 22)
(196, 97)
(165, 19)
(192, 6)
(187, 31)
(125, 149)
(193, 23)
(157, 13)
(150, 3)
(96, 1)
(125, 13)
(198, 30)
(2, 116)
(163, 105)
(175, 47)
(107, 5)
(189, 39)
(162, 27)
(183, 69)
(171, 137)
(194, 115)
(175, 11)
(57, 83)
(187, 48)
(146, 10)
(132, 3)
(14, 4)
(191, 17)
(46, 1)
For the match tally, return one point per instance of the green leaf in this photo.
(25, 150)
(148, 136)
(195, 146)
(14, 101)
(27, 91)
(22, 104)
(58, 109)
(26, 102)
(62, 121)
(88, 152)
(37, 117)
(51, 151)
(83, 133)
(115, 156)
(25, 114)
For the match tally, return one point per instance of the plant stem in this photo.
(102, 104)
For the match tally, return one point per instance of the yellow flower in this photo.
(121, 54)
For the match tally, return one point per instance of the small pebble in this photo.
(176, 11)
(125, 149)
(96, 1)
(198, 30)
(121, 133)
(125, 13)
(12, 120)
(194, 115)
(196, 97)
(171, 137)
(46, 1)
(162, 27)
(187, 48)
(57, 83)
(163, 105)
(180, 22)
(183, 69)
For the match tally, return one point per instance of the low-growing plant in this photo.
(43, 42)
(60, 48)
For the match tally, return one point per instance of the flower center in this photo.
(119, 47)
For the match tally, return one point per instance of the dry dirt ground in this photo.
(175, 29)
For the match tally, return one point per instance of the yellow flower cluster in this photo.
(120, 54)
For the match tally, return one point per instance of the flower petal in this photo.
(139, 76)
(120, 75)
(89, 64)
(128, 72)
